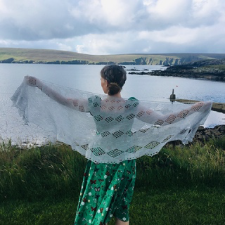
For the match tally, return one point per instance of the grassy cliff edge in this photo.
(19, 55)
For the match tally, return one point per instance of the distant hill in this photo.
(20, 55)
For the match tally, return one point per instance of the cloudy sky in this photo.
(114, 26)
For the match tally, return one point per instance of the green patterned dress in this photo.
(106, 192)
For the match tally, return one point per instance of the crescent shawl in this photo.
(107, 129)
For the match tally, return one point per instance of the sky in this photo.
(114, 26)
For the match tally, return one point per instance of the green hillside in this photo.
(19, 55)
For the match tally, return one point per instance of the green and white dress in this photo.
(106, 191)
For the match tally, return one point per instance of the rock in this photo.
(221, 128)
(207, 133)
(201, 128)
(204, 134)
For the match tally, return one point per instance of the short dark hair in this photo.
(116, 77)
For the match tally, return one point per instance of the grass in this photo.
(52, 170)
(54, 55)
(43, 212)
(181, 185)
(178, 206)
(218, 67)
(44, 55)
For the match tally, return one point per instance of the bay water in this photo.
(87, 78)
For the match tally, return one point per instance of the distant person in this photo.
(125, 129)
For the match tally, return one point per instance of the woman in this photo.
(107, 188)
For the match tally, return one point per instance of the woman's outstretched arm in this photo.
(152, 117)
(77, 104)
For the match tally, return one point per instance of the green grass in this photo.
(54, 55)
(218, 67)
(52, 170)
(181, 185)
(45, 55)
(43, 212)
(152, 206)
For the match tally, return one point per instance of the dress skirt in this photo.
(106, 191)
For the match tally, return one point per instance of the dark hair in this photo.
(116, 77)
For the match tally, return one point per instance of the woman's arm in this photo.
(152, 117)
(77, 104)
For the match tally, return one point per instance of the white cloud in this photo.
(80, 48)
(118, 26)
(167, 11)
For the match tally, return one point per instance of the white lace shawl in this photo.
(107, 129)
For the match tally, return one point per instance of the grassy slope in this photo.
(54, 55)
(178, 186)
(219, 67)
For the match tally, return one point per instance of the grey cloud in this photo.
(47, 20)
(43, 24)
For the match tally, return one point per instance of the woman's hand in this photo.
(32, 81)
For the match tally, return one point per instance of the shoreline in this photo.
(160, 73)
(210, 69)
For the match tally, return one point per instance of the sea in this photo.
(87, 78)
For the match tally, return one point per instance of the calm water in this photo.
(87, 78)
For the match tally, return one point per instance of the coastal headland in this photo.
(189, 65)
(46, 56)
(210, 69)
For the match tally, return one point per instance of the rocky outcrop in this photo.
(190, 72)
(204, 69)
(204, 134)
